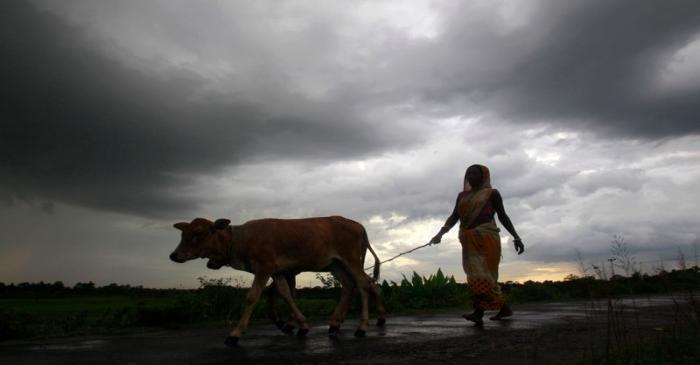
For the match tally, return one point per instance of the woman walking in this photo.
(481, 244)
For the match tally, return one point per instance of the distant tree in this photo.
(205, 282)
(583, 269)
(622, 256)
(89, 286)
(600, 271)
(328, 280)
(571, 277)
(661, 269)
(681, 260)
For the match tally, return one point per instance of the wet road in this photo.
(402, 336)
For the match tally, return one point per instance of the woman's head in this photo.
(477, 176)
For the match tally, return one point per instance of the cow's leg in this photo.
(363, 284)
(376, 292)
(251, 298)
(271, 311)
(283, 289)
(292, 283)
(341, 309)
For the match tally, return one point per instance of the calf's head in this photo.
(202, 238)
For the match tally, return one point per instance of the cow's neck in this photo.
(233, 260)
(228, 243)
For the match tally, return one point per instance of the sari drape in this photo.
(481, 247)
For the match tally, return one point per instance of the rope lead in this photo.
(401, 254)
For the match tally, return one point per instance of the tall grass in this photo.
(627, 337)
(625, 341)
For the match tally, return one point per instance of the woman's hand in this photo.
(519, 247)
(435, 240)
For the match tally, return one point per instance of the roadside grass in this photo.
(43, 308)
(625, 342)
(58, 317)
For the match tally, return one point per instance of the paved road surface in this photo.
(537, 333)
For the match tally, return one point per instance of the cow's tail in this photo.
(375, 271)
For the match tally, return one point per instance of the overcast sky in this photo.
(119, 119)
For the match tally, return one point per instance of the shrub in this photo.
(218, 299)
(435, 291)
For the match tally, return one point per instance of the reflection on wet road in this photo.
(262, 341)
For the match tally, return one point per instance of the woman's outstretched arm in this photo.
(449, 223)
(505, 221)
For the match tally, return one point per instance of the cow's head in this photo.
(202, 238)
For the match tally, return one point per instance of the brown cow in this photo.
(273, 248)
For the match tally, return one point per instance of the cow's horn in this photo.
(181, 226)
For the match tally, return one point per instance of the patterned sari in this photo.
(481, 246)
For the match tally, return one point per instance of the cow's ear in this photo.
(181, 226)
(221, 223)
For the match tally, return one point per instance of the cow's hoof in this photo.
(301, 333)
(279, 324)
(288, 329)
(231, 341)
(359, 333)
(333, 331)
(381, 321)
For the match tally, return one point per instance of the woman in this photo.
(481, 244)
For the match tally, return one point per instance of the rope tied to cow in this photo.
(401, 254)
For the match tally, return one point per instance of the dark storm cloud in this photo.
(587, 64)
(77, 126)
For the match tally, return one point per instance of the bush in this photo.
(217, 299)
(435, 291)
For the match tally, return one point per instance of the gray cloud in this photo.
(625, 179)
(599, 68)
(81, 127)
(169, 110)
(584, 65)
(88, 122)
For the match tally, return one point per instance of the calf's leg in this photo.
(284, 291)
(363, 283)
(292, 283)
(341, 309)
(376, 292)
(271, 311)
(251, 298)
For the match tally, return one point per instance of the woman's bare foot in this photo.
(503, 313)
(476, 316)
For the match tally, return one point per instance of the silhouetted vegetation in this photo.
(435, 291)
(574, 287)
(44, 309)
